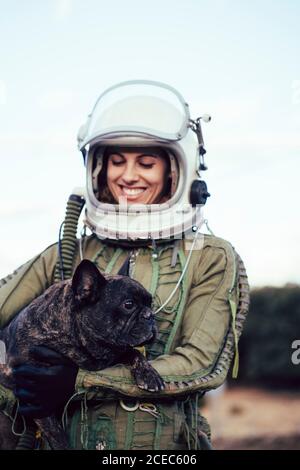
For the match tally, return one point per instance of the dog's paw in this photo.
(148, 379)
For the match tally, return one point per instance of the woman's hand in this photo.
(43, 389)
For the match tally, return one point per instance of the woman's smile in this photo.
(132, 193)
(138, 176)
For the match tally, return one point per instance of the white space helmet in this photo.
(145, 114)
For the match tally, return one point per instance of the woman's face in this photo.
(138, 176)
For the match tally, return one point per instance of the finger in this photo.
(32, 411)
(37, 379)
(45, 354)
(29, 371)
(27, 396)
(31, 386)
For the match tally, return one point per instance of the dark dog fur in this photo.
(93, 320)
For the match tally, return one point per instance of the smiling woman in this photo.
(141, 149)
(135, 175)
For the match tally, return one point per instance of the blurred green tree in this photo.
(266, 344)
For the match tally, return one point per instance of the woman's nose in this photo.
(130, 174)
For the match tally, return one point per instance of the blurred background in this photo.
(235, 60)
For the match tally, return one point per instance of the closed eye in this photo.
(143, 165)
(147, 165)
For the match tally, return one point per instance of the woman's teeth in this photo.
(132, 191)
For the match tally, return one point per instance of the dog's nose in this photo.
(148, 313)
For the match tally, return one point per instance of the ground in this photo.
(250, 418)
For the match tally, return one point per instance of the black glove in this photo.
(44, 390)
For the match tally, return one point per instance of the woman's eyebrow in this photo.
(116, 153)
(147, 155)
(138, 156)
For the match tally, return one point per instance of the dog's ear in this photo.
(124, 270)
(87, 282)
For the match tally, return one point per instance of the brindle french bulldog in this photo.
(94, 320)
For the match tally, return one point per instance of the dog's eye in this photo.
(128, 304)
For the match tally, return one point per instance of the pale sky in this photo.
(234, 59)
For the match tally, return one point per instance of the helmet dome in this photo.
(143, 114)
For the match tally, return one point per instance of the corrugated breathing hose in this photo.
(67, 243)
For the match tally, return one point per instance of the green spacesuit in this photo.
(198, 282)
(193, 350)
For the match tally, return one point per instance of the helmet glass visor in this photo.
(143, 108)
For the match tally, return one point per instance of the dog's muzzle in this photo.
(148, 313)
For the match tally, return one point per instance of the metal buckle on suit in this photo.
(146, 407)
(130, 408)
(149, 408)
